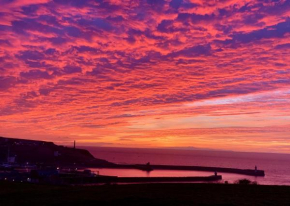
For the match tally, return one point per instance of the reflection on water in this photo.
(231, 178)
(154, 173)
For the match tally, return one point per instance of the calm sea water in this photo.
(276, 166)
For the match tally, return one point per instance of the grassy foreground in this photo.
(143, 194)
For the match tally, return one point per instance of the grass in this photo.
(143, 194)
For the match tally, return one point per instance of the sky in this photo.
(151, 73)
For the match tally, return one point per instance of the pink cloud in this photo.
(111, 70)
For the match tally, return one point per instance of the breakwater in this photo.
(115, 179)
(192, 168)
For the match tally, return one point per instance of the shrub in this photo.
(245, 182)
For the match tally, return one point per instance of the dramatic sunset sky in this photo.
(149, 73)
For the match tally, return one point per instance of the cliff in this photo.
(41, 152)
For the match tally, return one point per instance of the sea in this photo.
(276, 166)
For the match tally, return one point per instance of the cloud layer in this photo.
(147, 73)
